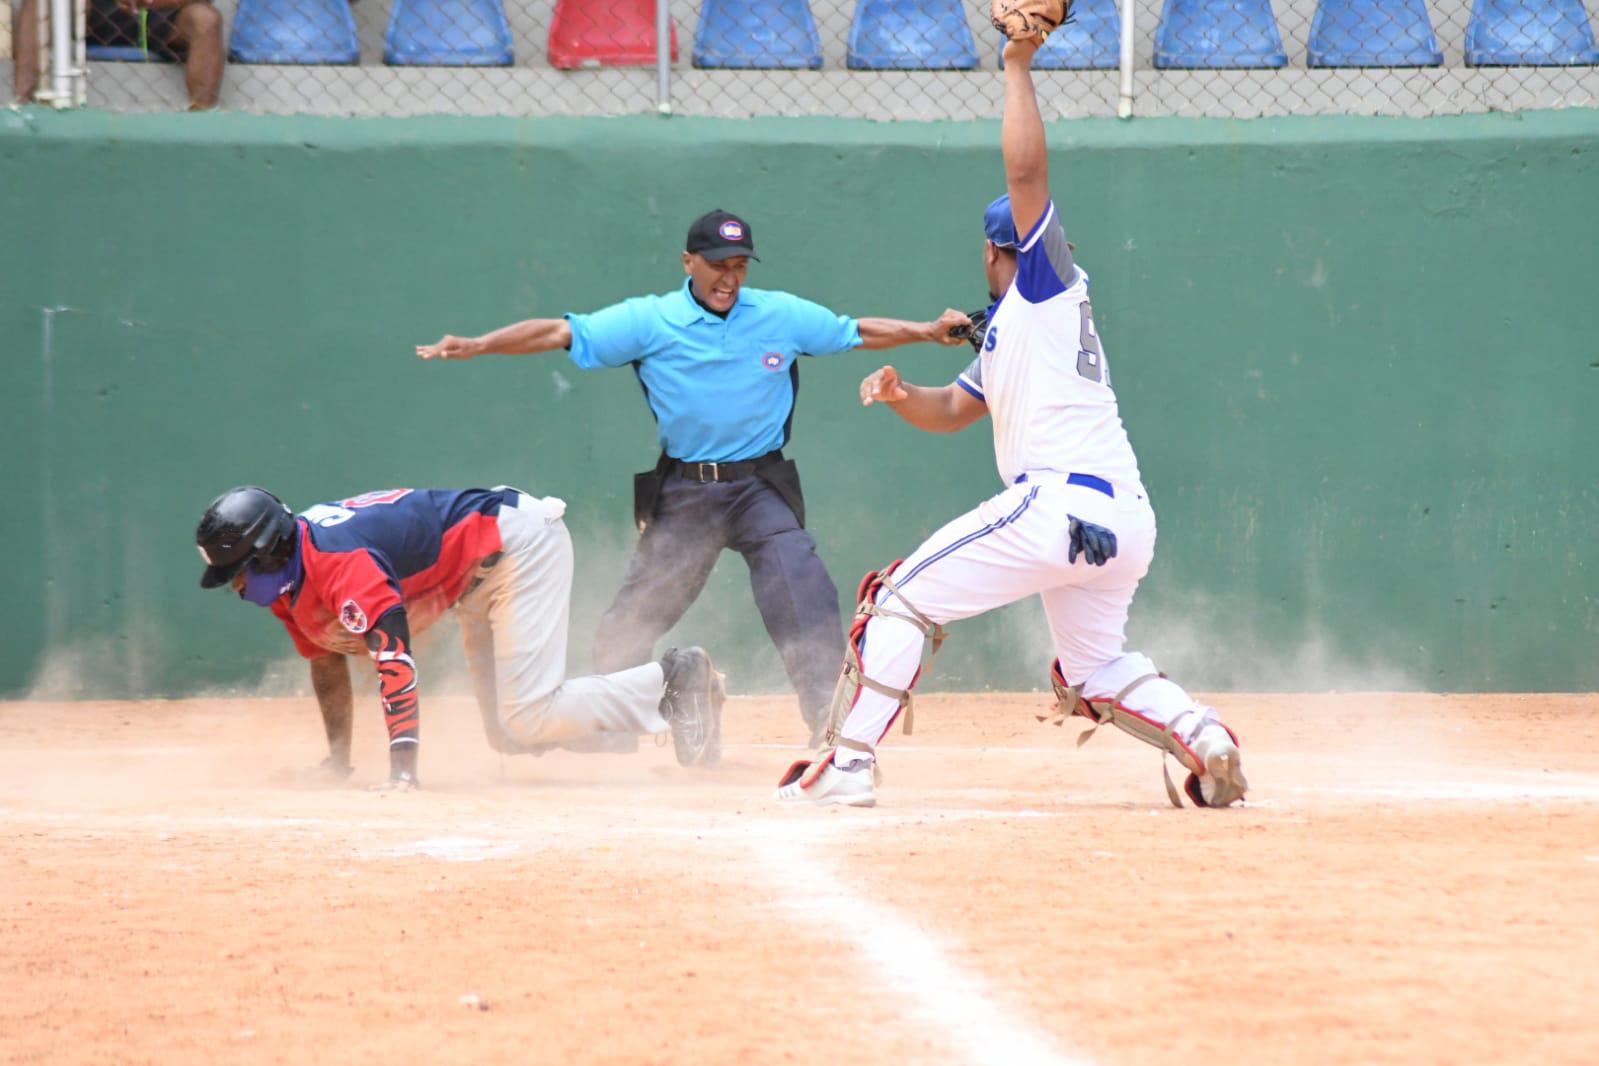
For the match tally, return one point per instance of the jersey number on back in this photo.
(1090, 358)
(331, 514)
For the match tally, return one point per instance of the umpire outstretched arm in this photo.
(547, 334)
(520, 338)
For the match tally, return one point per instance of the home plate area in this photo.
(1414, 878)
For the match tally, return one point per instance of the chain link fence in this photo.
(880, 59)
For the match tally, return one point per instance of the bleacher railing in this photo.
(881, 59)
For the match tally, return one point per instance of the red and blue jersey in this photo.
(362, 557)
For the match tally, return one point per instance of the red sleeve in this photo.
(280, 607)
(357, 589)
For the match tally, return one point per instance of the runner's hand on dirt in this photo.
(400, 782)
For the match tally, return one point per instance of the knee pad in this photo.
(852, 677)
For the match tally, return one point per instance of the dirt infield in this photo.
(1416, 879)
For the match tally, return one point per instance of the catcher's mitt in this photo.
(1023, 20)
(974, 332)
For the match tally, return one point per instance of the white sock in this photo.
(849, 758)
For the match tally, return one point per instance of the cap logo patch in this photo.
(731, 230)
(772, 360)
(351, 617)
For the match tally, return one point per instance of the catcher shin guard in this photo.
(1214, 754)
(852, 678)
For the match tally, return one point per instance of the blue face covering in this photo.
(264, 588)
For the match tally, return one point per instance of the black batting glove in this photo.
(1095, 544)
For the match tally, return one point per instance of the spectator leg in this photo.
(197, 35)
(25, 50)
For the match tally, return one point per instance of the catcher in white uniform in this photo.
(1074, 524)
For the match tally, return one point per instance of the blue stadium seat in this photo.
(1091, 41)
(447, 33)
(1529, 33)
(911, 35)
(751, 35)
(124, 53)
(1218, 34)
(1373, 33)
(293, 31)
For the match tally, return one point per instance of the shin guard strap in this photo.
(853, 676)
(1100, 715)
(1116, 713)
(931, 630)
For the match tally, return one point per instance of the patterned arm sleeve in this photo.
(389, 643)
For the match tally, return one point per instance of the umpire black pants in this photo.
(693, 523)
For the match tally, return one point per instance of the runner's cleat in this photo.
(692, 705)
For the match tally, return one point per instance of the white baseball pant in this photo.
(514, 624)
(1014, 545)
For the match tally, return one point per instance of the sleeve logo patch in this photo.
(772, 360)
(351, 617)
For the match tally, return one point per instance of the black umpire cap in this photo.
(718, 235)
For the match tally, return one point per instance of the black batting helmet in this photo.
(240, 525)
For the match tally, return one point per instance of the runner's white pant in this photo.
(515, 627)
(1008, 547)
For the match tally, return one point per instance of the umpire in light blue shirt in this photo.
(719, 364)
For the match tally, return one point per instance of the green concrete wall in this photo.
(1359, 359)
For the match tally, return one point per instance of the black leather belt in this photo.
(706, 472)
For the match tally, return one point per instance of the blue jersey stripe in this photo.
(969, 538)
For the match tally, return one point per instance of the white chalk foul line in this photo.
(444, 849)
(909, 961)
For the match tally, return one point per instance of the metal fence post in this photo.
(80, 53)
(663, 57)
(1124, 105)
(62, 22)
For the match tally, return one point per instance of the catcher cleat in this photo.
(820, 783)
(1223, 780)
(692, 705)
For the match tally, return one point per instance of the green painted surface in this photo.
(1357, 357)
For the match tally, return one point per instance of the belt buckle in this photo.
(716, 472)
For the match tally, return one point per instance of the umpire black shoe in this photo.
(692, 705)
